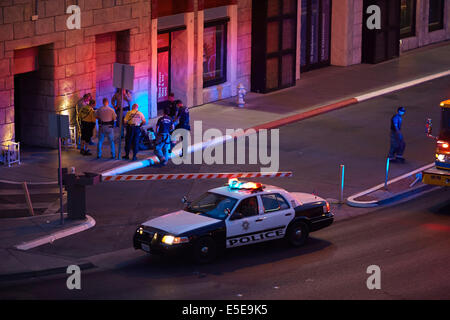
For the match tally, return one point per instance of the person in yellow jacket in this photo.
(87, 120)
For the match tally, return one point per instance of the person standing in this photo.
(397, 141)
(134, 119)
(116, 102)
(164, 127)
(84, 101)
(173, 110)
(87, 121)
(106, 117)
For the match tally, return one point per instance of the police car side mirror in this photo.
(237, 216)
(184, 200)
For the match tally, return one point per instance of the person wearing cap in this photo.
(134, 119)
(163, 143)
(182, 118)
(397, 141)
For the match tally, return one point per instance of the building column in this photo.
(198, 65)
(182, 73)
(346, 32)
(153, 69)
(6, 99)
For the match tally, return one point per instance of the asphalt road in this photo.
(409, 242)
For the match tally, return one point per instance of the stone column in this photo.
(6, 99)
(346, 32)
(182, 74)
(198, 65)
(153, 69)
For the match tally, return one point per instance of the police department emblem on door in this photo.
(245, 225)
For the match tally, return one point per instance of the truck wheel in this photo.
(297, 234)
(205, 250)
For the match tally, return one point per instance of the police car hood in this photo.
(304, 198)
(180, 222)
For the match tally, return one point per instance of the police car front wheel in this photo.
(205, 250)
(297, 234)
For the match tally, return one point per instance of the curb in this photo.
(375, 203)
(284, 121)
(89, 223)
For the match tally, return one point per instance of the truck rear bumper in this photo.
(437, 177)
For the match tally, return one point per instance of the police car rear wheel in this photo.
(205, 250)
(297, 234)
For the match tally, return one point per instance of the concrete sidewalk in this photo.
(18, 235)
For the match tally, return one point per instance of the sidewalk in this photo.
(21, 234)
(315, 89)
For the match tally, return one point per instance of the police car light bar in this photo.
(234, 183)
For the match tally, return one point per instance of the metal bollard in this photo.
(387, 174)
(341, 189)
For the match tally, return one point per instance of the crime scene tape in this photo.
(191, 176)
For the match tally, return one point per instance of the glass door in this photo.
(315, 34)
(163, 70)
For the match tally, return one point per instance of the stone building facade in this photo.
(198, 49)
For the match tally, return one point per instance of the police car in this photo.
(238, 214)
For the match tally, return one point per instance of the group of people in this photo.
(108, 118)
(175, 116)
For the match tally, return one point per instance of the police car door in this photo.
(243, 226)
(277, 214)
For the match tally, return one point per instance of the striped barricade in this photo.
(191, 176)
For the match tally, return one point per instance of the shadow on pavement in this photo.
(160, 267)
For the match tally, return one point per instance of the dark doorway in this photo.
(164, 68)
(315, 34)
(381, 44)
(23, 96)
(274, 43)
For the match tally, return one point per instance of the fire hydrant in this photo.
(241, 94)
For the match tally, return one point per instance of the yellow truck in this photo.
(440, 174)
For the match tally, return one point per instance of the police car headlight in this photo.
(326, 207)
(440, 157)
(170, 240)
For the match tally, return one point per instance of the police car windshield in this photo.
(212, 205)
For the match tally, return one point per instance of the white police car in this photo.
(237, 214)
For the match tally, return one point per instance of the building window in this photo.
(215, 53)
(436, 15)
(408, 18)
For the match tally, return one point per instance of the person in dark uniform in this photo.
(134, 119)
(173, 110)
(164, 127)
(183, 116)
(397, 141)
